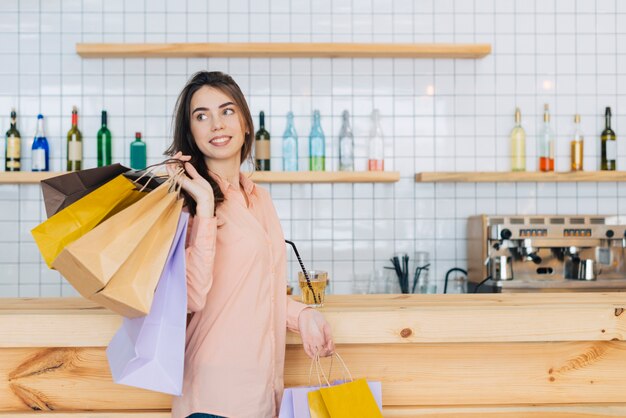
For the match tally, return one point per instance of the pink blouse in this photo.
(236, 278)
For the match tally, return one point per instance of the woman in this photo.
(236, 259)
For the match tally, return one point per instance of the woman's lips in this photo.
(220, 141)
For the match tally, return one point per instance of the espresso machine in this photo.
(546, 254)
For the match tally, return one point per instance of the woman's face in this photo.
(216, 125)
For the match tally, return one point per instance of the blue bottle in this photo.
(40, 152)
(290, 146)
(317, 145)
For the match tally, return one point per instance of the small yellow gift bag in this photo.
(354, 398)
(74, 221)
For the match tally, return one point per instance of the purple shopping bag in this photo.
(149, 352)
(295, 403)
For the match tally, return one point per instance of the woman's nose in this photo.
(217, 123)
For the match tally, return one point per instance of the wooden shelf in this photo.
(508, 176)
(284, 50)
(24, 177)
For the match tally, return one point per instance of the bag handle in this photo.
(319, 368)
(149, 170)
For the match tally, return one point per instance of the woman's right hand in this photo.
(197, 186)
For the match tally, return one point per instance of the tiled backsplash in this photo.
(442, 115)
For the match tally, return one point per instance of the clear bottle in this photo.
(13, 145)
(74, 144)
(40, 151)
(262, 146)
(518, 144)
(545, 143)
(290, 146)
(577, 146)
(346, 144)
(317, 145)
(376, 151)
(608, 153)
(104, 142)
(138, 154)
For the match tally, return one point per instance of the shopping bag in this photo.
(130, 291)
(148, 352)
(61, 191)
(295, 402)
(91, 261)
(353, 398)
(80, 217)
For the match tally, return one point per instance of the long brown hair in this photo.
(183, 139)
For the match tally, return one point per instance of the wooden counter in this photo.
(513, 355)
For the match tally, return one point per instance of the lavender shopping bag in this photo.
(295, 403)
(148, 352)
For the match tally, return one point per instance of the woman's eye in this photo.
(201, 116)
(229, 111)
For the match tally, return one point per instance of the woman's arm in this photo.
(201, 234)
(200, 250)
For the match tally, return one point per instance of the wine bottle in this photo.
(545, 143)
(290, 146)
(317, 145)
(262, 146)
(13, 144)
(518, 144)
(104, 143)
(40, 151)
(138, 155)
(346, 144)
(608, 153)
(376, 152)
(576, 146)
(74, 144)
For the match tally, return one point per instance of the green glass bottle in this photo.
(104, 143)
(262, 146)
(74, 144)
(138, 153)
(12, 157)
(608, 150)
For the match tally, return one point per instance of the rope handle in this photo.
(319, 369)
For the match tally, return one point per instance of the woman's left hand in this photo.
(315, 333)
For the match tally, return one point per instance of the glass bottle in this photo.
(576, 146)
(138, 153)
(346, 144)
(545, 143)
(290, 146)
(104, 142)
(518, 144)
(262, 146)
(608, 153)
(40, 151)
(376, 152)
(317, 145)
(74, 144)
(13, 144)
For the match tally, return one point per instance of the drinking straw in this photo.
(306, 275)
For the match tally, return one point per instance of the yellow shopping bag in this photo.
(80, 217)
(91, 261)
(346, 400)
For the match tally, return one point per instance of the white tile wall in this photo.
(436, 114)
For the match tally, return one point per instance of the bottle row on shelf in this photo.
(546, 145)
(40, 149)
(317, 145)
